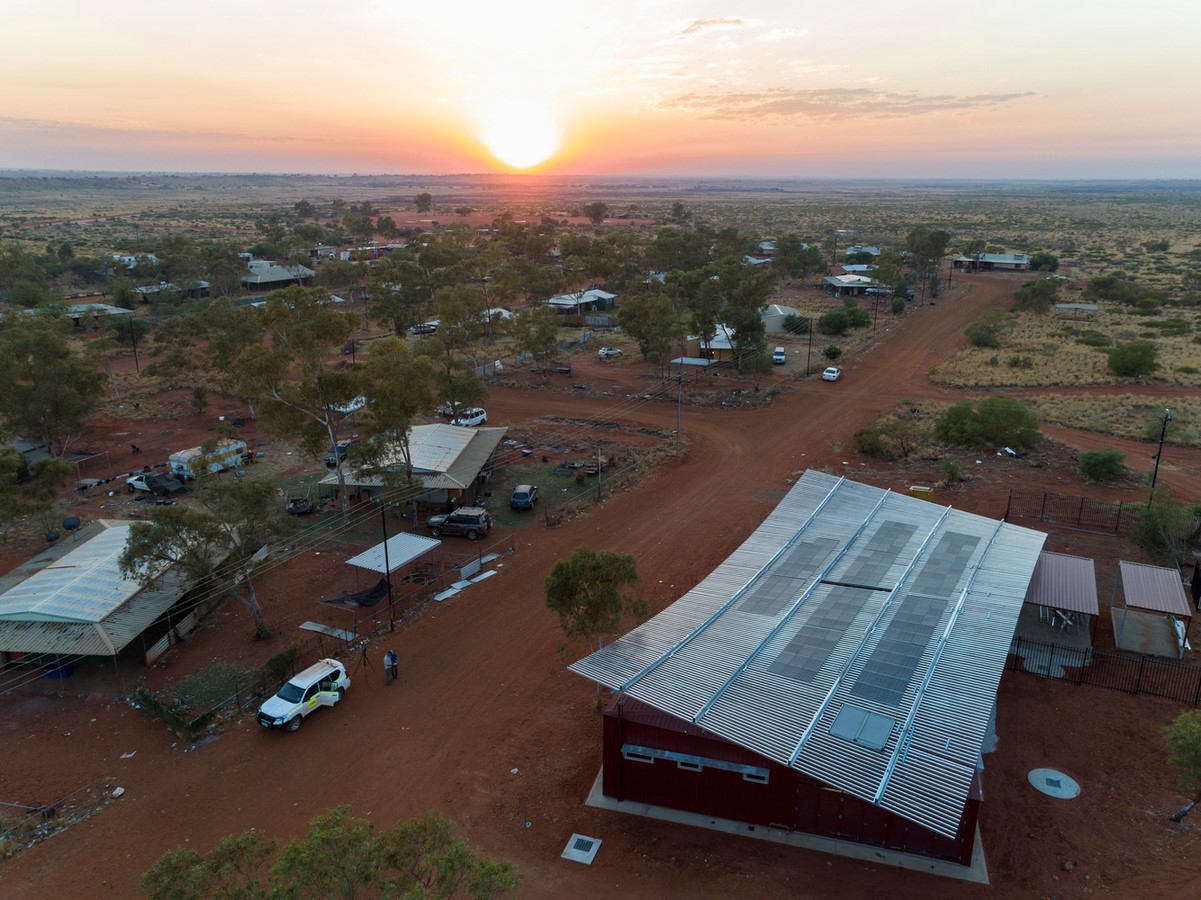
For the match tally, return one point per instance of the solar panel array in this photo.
(787, 577)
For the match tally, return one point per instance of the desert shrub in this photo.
(1044, 262)
(982, 335)
(952, 472)
(1020, 362)
(1007, 422)
(794, 324)
(1175, 327)
(1037, 296)
(1094, 339)
(993, 361)
(1101, 465)
(834, 322)
(958, 425)
(833, 353)
(898, 305)
(1187, 370)
(870, 442)
(859, 318)
(282, 664)
(1133, 359)
(1166, 526)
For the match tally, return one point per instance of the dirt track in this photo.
(488, 727)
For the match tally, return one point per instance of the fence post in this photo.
(1050, 660)
(1042, 513)
(1142, 660)
(1197, 693)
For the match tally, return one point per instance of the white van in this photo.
(321, 684)
(778, 357)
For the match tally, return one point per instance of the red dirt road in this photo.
(487, 726)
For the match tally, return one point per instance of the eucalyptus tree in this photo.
(535, 330)
(299, 392)
(50, 388)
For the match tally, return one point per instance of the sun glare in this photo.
(520, 136)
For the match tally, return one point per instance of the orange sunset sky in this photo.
(1053, 89)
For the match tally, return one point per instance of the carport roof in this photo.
(1154, 588)
(1064, 582)
(402, 549)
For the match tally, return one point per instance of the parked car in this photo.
(778, 356)
(469, 521)
(157, 483)
(832, 374)
(321, 684)
(608, 352)
(337, 453)
(424, 328)
(470, 417)
(524, 496)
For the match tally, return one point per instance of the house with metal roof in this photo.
(72, 601)
(265, 275)
(849, 285)
(447, 460)
(988, 262)
(836, 675)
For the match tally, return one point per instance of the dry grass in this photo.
(1123, 415)
(1038, 351)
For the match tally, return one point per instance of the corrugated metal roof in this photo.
(1155, 588)
(445, 457)
(1064, 582)
(847, 595)
(76, 603)
(402, 550)
(85, 585)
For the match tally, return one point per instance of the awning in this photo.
(1064, 582)
(1154, 588)
(402, 550)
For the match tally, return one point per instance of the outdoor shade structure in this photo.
(857, 638)
(1064, 590)
(73, 601)
(1155, 613)
(395, 553)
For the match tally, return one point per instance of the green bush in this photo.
(1020, 362)
(1094, 339)
(958, 425)
(283, 664)
(1101, 465)
(994, 422)
(898, 305)
(870, 442)
(982, 334)
(835, 322)
(952, 472)
(794, 324)
(833, 353)
(1133, 359)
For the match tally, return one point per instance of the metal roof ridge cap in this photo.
(868, 632)
(907, 728)
(792, 610)
(650, 667)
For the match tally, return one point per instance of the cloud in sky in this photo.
(829, 103)
(696, 26)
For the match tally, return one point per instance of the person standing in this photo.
(393, 666)
(387, 667)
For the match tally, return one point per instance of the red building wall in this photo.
(788, 800)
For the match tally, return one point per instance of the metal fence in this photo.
(1074, 512)
(1108, 669)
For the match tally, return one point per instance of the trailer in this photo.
(226, 455)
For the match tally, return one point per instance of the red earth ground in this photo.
(487, 727)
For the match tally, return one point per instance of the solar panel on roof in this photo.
(787, 577)
(890, 667)
(803, 656)
(865, 728)
(872, 560)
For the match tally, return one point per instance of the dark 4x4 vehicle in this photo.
(470, 521)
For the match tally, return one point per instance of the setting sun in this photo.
(520, 135)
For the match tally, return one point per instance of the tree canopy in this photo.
(591, 593)
(340, 856)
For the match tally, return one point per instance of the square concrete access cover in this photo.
(1054, 784)
(581, 849)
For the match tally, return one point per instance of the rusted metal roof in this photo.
(1155, 588)
(1064, 582)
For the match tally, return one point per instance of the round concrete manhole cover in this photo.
(1054, 784)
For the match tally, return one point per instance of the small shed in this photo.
(1154, 613)
(1063, 597)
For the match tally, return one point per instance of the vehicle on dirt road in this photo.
(832, 374)
(157, 483)
(470, 521)
(608, 352)
(321, 684)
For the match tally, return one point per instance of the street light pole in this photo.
(809, 354)
(133, 337)
(1167, 417)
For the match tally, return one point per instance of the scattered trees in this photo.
(1166, 526)
(50, 391)
(1038, 296)
(1044, 262)
(341, 856)
(424, 202)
